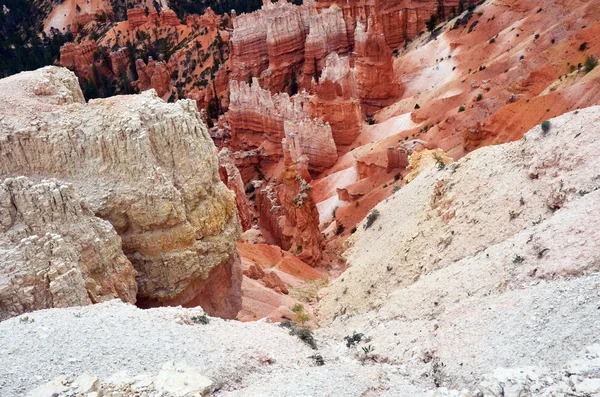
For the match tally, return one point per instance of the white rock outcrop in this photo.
(148, 167)
(54, 252)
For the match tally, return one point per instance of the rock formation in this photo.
(374, 65)
(148, 167)
(54, 252)
(78, 57)
(327, 35)
(288, 214)
(259, 119)
(399, 20)
(232, 178)
(336, 99)
(154, 75)
(269, 44)
(139, 16)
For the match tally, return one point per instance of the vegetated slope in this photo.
(490, 261)
(481, 78)
(23, 45)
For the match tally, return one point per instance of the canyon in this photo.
(387, 197)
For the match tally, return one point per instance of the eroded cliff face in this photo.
(327, 34)
(374, 65)
(336, 99)
(54, 252)
(259, 119)
(148, 167)
(399, 19)
(288, 215)
(269, 44)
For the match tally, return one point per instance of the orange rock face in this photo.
(78, 57)
(260, 120)
(230, 175)
(288, 215)
(398, 18)
(336, 100)
(269, 44)
(327, 34)
(154, 75)
(374, 65)
(138, 17)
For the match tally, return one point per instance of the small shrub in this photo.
(417, 106)
(518, 259)
(439, 161)
(397, 177)
(303, 317)
(396, 53)
(370, 120)
(461, 109)
(479, 97)
(492, 40)
(590, 63)
(367, 349)
(537, 36)
(371, 218)
(545, 126)
(395, 189)
(583, 46)
(318, 359)
(304, 334)
(339, 229)
(203, 319)
(353, 230)
(297, 308)
(353, 339)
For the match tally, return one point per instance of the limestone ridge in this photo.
(54, 252)
(148, 167)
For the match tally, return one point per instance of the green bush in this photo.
(353, 339)
(461, 109)
(371, 218)
(304, 334)
(545, 126)
(203, 319)
(590, 63)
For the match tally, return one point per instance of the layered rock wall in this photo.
(399, 19)
(260, 120)
(78, 57)
(138, 17)
(148, 167)
(374, 65)
(153, 75)
(336, 99)
(327, 34)
(288, 216)
(54, 252)
(269, 44)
